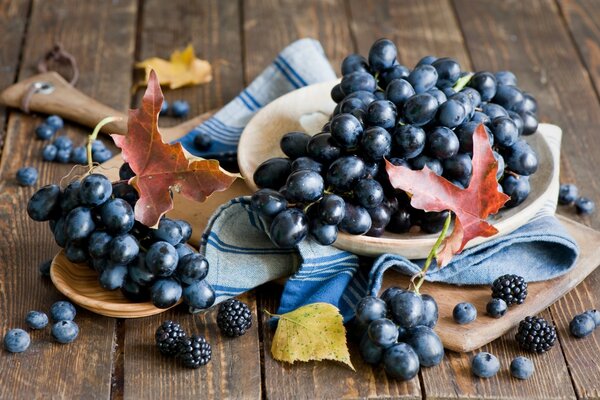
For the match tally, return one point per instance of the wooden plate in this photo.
(80, 284)
(307, 109)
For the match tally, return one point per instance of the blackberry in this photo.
(234, 318)
(536, 334)
(168, 336)
(510, 288)
(194, 351)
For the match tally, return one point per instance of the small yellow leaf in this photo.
(182, 69)
(312, 332)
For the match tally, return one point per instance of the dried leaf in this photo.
(161, 168)
(312, 332)
(471, 206)
(181, 70)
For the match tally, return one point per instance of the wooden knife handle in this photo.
(64, 100)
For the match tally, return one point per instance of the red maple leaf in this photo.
(471, 206)
(161, 168)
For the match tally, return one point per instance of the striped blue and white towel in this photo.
(300, 64)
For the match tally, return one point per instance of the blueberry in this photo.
(79, 155)
(582, 325)
(65, 331)
(44, 131)
(97, 145)
(584, 206)
(27, 176)
(464, 313)
(496, 308)
(595, 316)
(101, 155)
(164, 108)
(485, 365)
(202, 140)
(16, 340)
(63, 156)
(401, 362)
(180, 108)
(568, 193)
(36, 319)
(199, 295)
(407, 309)
(369, 309)
(63, 143)
(55, 122)
(427, 344)
(430, 311)
(49, 152)
(370, 352)
(521, 368)
(62, 311)
(383, 332)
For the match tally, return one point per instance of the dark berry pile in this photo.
(336, 179)
(234, 318)
(510, 288)
(535, 334)
(397, 330)
(171, 340)
(93, 220)
(569, 195)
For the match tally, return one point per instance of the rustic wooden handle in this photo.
(65, 101)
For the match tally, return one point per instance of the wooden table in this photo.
(552, 46)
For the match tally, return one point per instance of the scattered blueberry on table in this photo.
(16, 341)
(496, 308)
(36, 319)
(584, 206)
(180, 108)
(567, 194)
(27, 176)
(595, 316)
(62, 311)
(49, 152)
(55, 122)
(582, 325)
(79, 155)
(164, 108)
(485, 365)
(464, 313)
(65, 331)
(44, 132)
(521, 368)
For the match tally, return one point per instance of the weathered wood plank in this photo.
(213, 27)
(13, 19)
(561, 84)
(101, 36)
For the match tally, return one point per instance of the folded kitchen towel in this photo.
(242, 257)
(301, 63)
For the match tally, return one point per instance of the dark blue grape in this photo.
(505, 78)
(356, 221)
(43, 205)
(420, 109)
(442, 143)
(336, 93)
(400, 221)
(364, 96)
(458, 167)
(516, 118)
(165, 293)
(117, 216)
(427, 60)
(379, 95)
(192, 267)
(433, 164)
(368, 193)
(529, 104)
(466, 101)
(407, 309)
(168, 231)
(354, 63)
(464, 133)
(268, 202)
(530, 123)
(423, 78)
(395, 72)
(346, 130)
(199, 295)
(501, 165)
(521, 158)
(332, 209)
(494, 111)
(485, 84)
(451, 113)
(134, 292)
(323, 148)
(289, 228)
(352, 105)
(505, 131)
(369, 309)
(432, 222)
(125, 191)
(304, 186)
(372, 168)
(162, 259)
(430, 314)
(76, 253)
(369, 351)
(293, 144)
(509, 97)
(183, 250)
(345, 172)
(376, 143)
(139, 272)
(382, 55)
(79, 223)
(70, 197)
(448, 71)
(358, 80)
(438, 94)
(380, 216)
(113, 277)
(123, 249)
(401, 362)
(59, 231)
(98, 244)
(409, 141)
(473, 96)
(95, 189)
(381, 113)
(186, 230)
(517, 188)
(427, 344)
(306, 163)
(323, 233)
(125, 172)
(272, 173)
(398, 91)
(480, 118)
(399, 162)
(383, 332)
(202, 141)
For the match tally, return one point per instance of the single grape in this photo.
(430, 314)
(199, 295)
(529, 104)
(485, 84)
(304, 186)
(346, 130)
(186, 230)
(369, 351)
(442, 143)
(323, 233)
(113, 277)
(432, 222)
(168, 231)
(401, 362)
(530, 123)
(76, 253)
(293, 144)
(507, 96)
(98, 244)
(427, 60)
(323, 148)
(517, 188)
(427, 344)
(473, 95)
(448, 71)
(480, 118)
(466, 101)
(380, 216)
(398, 91)
(79, 223)
(381, 113)
(192, 267)
(382, 55)
(423, 78)
(123, 249)
(439, 95)
(43, 205)
(354, 63)
(494, 111)
(409, 141)
(139, 272)
(521, 158)
(125, 191)
(308, 163)
(289, 228)
(433, 164)
(117, 216)
(165, 293)
(376, 143)
(369, 309)
(332, 209)
(268, 202)
(397, 71)
(383, 332)
(95, 190)
(135, 292)
(451, 114)
(516, 118)
(356, 221)
(125, 172)
(458, 167)
(505, 78)
(162, 259)
(505, 131)
(420, 109)
(358, 80)
(407, 309)
(272, 173)
(345, 172)
(368, 193)
(501, 165)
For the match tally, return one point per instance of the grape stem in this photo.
(94, 136)
(433, 252)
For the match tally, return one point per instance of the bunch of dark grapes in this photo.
(336, 179)
(93, 220)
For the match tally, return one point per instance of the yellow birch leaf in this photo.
(181, 70)
(312, 332)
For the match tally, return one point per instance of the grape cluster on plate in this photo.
(336, 179)
(93, 220)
